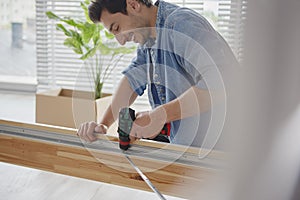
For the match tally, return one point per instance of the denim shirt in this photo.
(186, 52)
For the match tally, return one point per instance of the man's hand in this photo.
(87, 131)
(148, 124)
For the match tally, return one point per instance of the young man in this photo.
(181, 59)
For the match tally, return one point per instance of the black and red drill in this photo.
(126, 119)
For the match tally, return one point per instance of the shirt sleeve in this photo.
(136, 72)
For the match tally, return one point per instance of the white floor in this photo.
(18, 183)
(17, 107)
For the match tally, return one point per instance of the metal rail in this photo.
(138, 151)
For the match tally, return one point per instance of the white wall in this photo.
(16, 11)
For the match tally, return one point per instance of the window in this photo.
(227, 16)
(57, 66)
(17, 45)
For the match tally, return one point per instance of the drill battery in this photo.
(126, 118)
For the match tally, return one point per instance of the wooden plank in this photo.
(147, 143)
(174, 178)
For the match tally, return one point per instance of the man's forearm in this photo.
(108, 118)
(190, 103)
(123, 97)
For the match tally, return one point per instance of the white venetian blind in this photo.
(227, 16)
(232, 16)
(58, 66)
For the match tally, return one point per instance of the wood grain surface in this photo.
(172, 179)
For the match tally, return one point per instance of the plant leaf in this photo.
(96, 37)
(104, 50)
(63, 28)
(100, 27)
(78, 50)
(71, 22)
(109, 35)
(88, 32)
(77, 37)
(88, 54)
(69, 42)
(51, 15)
(73, 43)
(84, 6)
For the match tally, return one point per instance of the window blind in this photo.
(231, 21)
(58, 66)
(227, 16)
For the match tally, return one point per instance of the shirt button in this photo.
(163, 98)
(158, 83)
(155, 75)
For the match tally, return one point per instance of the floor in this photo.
(18, 183)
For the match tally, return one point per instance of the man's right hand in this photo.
(88, 130)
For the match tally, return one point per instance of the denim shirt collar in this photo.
(160, 18)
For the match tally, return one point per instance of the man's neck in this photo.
(152, 13)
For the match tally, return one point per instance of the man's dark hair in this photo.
(112, 6)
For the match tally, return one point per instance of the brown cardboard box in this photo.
(69, 108)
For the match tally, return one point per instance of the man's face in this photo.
(126, 28)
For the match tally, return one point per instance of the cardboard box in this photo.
(69, 108)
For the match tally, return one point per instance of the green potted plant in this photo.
(91, 41)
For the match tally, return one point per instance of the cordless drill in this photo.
(126, 119)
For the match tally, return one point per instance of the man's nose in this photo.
(121, 38)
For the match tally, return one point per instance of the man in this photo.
(181, 59)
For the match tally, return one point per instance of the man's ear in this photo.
(133, 5)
